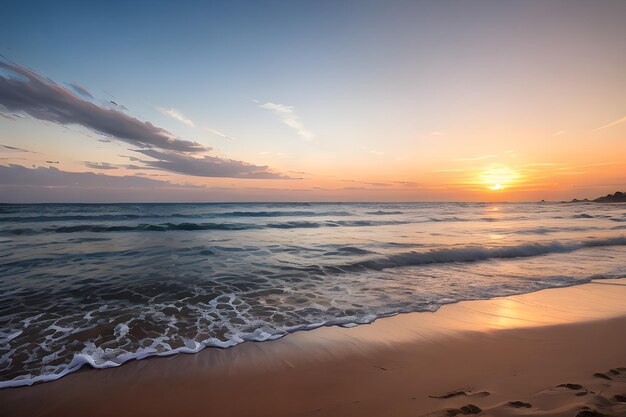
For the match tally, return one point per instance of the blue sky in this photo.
(346, 92)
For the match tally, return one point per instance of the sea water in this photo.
(101, 284)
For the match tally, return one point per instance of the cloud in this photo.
(99, 165)
(408, 183)
(13, 148)
(81, 90)
(289, 117)
(26, 91)
(17, 175)
(614, 123)
(175, 114)
(121, 106)
(219, 133)
(49, 184)
(376, 184)
(22, 90)
(205, 166)
(559, 133)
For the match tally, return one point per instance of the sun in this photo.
(499, 177)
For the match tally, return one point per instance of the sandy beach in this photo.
(556, 352)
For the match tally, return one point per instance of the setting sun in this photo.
(499, 177)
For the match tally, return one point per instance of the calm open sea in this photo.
(102, 284)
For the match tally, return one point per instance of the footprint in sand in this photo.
(589, 413)
(572, 386)
(610, 374)
(459, 394)
(519, 404)
(465, 410)
(582, 391)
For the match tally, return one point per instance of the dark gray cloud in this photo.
(43, 99)
(205, 166)
(81, 90)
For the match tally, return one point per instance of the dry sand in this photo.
(534, 354)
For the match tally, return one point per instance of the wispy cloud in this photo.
(289, 117)
(175, 114)
(558, 133)
(408, 183)
(614, 123)
(376, 184)
(13, 148)
(218, 133)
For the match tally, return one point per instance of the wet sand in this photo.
(557, 352)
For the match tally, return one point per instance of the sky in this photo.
(312, 101)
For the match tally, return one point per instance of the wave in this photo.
(284, 213)
(165, 227)
(129, 216)
(480, 253)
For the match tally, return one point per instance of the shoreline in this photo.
(507, 348)
(88, 363)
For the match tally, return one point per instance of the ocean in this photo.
(101, 284)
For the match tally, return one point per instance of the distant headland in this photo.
(618, 197)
